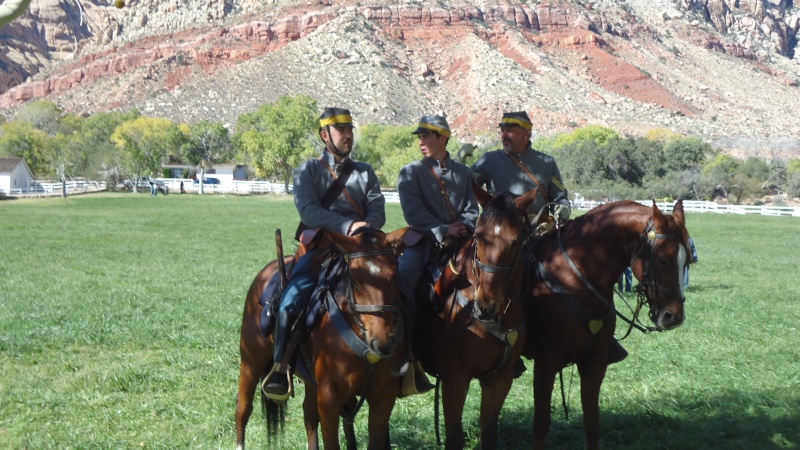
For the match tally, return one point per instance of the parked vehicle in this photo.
(208, 181)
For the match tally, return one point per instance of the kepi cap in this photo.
(516, 119)
(338, 117)
(436, 124)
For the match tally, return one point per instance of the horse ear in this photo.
(658, 216)
(344, 243)
(523, 202)
(677, 213)
(481, 195)
(395, 239)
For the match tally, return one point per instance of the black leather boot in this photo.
(615, 352)
(278, 383)
(519, 368)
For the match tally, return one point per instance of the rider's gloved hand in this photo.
(562, 213)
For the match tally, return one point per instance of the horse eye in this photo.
(662, 262)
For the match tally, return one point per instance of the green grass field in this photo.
(120, 313)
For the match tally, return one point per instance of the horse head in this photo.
(658, 261)
(372, 298)
(496, 267)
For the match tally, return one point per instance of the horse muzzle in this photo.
(667, 320)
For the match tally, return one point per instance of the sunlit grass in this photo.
(119, 322)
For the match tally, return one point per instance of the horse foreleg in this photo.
(454, 394)
(543, 380)
(311, 417)
(592, 374)
(251, 368)
(349, 426)
(380, 411)
(493, 395)
(329, 407)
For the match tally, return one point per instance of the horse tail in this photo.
(274, 415)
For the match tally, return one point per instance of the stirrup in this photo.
(412, 383)
(278, 397)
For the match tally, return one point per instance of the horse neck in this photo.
(614, 240)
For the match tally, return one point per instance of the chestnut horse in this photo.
(351, 348)
(479, 330)
(571, 317)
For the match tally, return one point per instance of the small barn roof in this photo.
(7, 165)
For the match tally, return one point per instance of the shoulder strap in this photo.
(333, 192)
(524, 169)
(528, 172)
(443, 191)
(347, 169)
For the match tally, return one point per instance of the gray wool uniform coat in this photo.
(424, 206)
(312, 180)
(499, 174)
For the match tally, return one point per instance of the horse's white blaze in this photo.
(682, 268)
(497, 230)
(374, 269)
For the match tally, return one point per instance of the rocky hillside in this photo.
(727, 70)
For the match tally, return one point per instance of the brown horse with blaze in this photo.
(356, 350)
(571, 316)
(478, 331)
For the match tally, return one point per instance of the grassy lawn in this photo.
(120, 313)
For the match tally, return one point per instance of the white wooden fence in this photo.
(48, 189)
(44, 189)
(711, 207)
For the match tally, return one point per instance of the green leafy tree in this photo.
(279, 136)
(595, 133)
(104, 158)
(207, 143)
(716, 175)
(582, 163)
(685, 153)
(649, 157)
(42, 114)
(387, 148)
(620, 161)
(143, 142)
(19, 138)
(793, 177)
(741, 187)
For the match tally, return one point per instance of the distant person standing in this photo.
(183, 191)
(627, 279)
(693, 252)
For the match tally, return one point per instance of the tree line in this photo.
(596, 161)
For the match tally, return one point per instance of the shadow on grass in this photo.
(720, 422)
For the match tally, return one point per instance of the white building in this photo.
(15, 176)
(227, 173)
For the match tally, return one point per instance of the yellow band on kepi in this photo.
(345, 119)
(443, 131)
(510, 121)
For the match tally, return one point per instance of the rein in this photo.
(647, 239)
(507, 336)
(353, 340)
